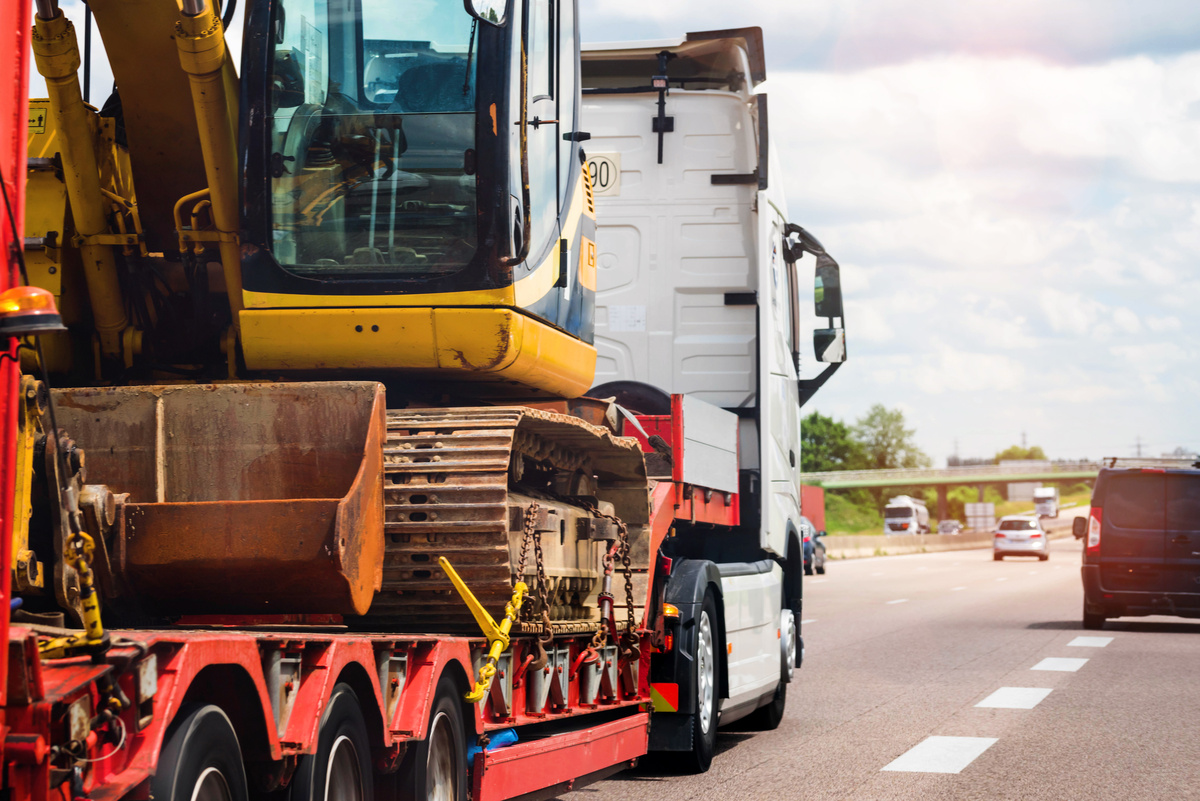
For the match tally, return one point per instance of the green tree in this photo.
(827, 444)
(1016, 452)
(885, 442)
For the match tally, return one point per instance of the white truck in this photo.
(698, 292)
(1045, 501)
(905, 515)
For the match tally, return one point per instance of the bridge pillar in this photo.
(981, 493)
(941, 493)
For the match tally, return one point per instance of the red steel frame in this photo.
(14, 116)
(228, 668)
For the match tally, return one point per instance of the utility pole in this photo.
(1139, 446)
(1023, 440)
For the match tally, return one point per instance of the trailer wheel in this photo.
(704, 719)
(340, 770)
(201, 760)
(436, 769)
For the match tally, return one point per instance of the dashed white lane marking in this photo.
(1060, 664)
(1033, 572)
(1002, 578)
(941, 754)
(1015, 698)
(810, 620)
(956, 589)
(899, 601)
(1090, 642)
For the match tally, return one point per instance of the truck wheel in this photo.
(704, 719)
(340, 770)
(768, 718)
(436, 769)
(201, 760)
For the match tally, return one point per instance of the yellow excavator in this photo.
(322, 315)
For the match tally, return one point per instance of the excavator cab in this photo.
(413, 193)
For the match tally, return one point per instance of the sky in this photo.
(1013, 192)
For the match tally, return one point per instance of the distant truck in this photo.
(1045, 501)
(905, 515)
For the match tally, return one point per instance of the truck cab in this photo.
(905, 515)
(698, 294)
(1045, 501)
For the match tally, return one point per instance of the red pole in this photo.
(14, 117)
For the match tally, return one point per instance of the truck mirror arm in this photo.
(809, 386)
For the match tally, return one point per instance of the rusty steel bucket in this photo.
(243, 498)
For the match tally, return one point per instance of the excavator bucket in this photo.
(243, 498)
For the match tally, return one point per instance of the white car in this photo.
(1020, 535)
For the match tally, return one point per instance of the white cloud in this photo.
(1161, 325)
(1127, 321)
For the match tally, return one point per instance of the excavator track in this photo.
(447, 474)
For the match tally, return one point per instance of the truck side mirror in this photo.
(830, 345)
(1079, 527)
(828, 295)
(491, 11)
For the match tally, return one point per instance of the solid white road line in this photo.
(1060, 664)
(1015, 698)
(1090, 642)
(899, 601)
(942, 755)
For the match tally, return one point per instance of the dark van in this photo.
(1141, 551)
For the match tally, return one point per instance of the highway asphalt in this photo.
(901, 652)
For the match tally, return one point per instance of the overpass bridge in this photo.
(942, 479)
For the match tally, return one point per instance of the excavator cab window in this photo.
(372, 127)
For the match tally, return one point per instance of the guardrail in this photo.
(857, 546)
(950, 474)
(985, 473)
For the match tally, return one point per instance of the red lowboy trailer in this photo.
(196, 697)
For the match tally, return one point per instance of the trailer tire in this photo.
(201, 759)
(340, 770)
(704, 665)
(437, 767)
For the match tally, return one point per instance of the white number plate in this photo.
(605, 170)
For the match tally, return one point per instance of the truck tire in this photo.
(341, 767)
(437, 767)
(768, 718)
(201, 760)
(704, 719)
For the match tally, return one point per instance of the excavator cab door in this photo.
(376, 147)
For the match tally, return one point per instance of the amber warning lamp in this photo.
(26, 310)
